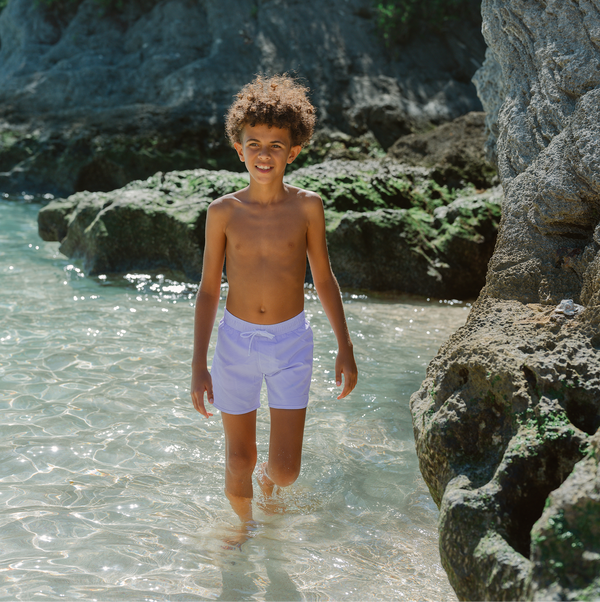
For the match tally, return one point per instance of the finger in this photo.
(209, 396)
(199, 404)
(344, 392)
(206, 412)
(349, 384)
(338, 376)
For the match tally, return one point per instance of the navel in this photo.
(263, 309)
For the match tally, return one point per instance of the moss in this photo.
(591, 592)
(567, 538)
(363, 193)
(469, 223)
(332, 219)
(327, 145)
(545, 427)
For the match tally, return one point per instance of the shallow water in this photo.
(111, 486)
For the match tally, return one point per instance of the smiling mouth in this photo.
(264, 168)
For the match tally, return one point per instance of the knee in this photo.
(241, 463)
(283, 476)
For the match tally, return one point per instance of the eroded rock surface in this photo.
(90, 101)
(389, 226)
(507, 421)
(455, 151)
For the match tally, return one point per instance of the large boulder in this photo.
(91, 99)
(389, 227)
(506, 422)
(456, 151)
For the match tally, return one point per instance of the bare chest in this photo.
(266, 234)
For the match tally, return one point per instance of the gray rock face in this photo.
(389, 227)
(504, 417)
(490, 88)
(155, 80)
(455, 151)
(507, 420)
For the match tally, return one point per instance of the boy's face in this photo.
(266, 151)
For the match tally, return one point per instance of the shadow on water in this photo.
(242, 582)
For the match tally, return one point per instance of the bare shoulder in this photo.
(225, 202)
(220, 209)
(311, 202)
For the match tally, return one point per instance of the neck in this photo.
(266, 193)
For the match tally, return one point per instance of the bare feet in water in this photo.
(239, 536)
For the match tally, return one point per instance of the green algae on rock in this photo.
(435, 244)
(155, 223)
(501, 420)
(413, 251)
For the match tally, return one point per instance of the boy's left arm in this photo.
(329, 294)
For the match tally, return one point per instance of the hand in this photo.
(345, 364)
(201, 382)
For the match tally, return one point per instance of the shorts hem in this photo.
(235, 413)
(290, 406)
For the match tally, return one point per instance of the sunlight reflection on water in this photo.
(112, 485)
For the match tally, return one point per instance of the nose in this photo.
(263, 152)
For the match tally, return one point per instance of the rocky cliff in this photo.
(506, 422)
(90, 100)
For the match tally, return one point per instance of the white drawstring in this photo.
(252, 333)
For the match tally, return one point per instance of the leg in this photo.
(285, 449)
(240, 458)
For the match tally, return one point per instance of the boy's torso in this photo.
(266, 258)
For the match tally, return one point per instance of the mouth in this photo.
(264, 168)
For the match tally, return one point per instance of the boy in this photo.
(266, 231)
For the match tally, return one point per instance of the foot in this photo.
(239, 536)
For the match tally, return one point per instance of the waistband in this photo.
(294, 323)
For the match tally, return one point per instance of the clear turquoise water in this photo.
(111, 485)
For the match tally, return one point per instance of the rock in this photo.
(157, 223)
(455, 151)
(507, 421)
(389, 227)
(489, 82)
(443, 255)
(92, 99)
(503, 417)
(569, 529)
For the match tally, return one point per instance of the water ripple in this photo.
(112, 485)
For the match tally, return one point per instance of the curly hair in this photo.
(278, 101)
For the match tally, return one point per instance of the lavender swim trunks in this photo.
(281, 353)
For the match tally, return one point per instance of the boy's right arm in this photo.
(207, 303)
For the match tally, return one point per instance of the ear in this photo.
(294, 152)
(240, 150)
